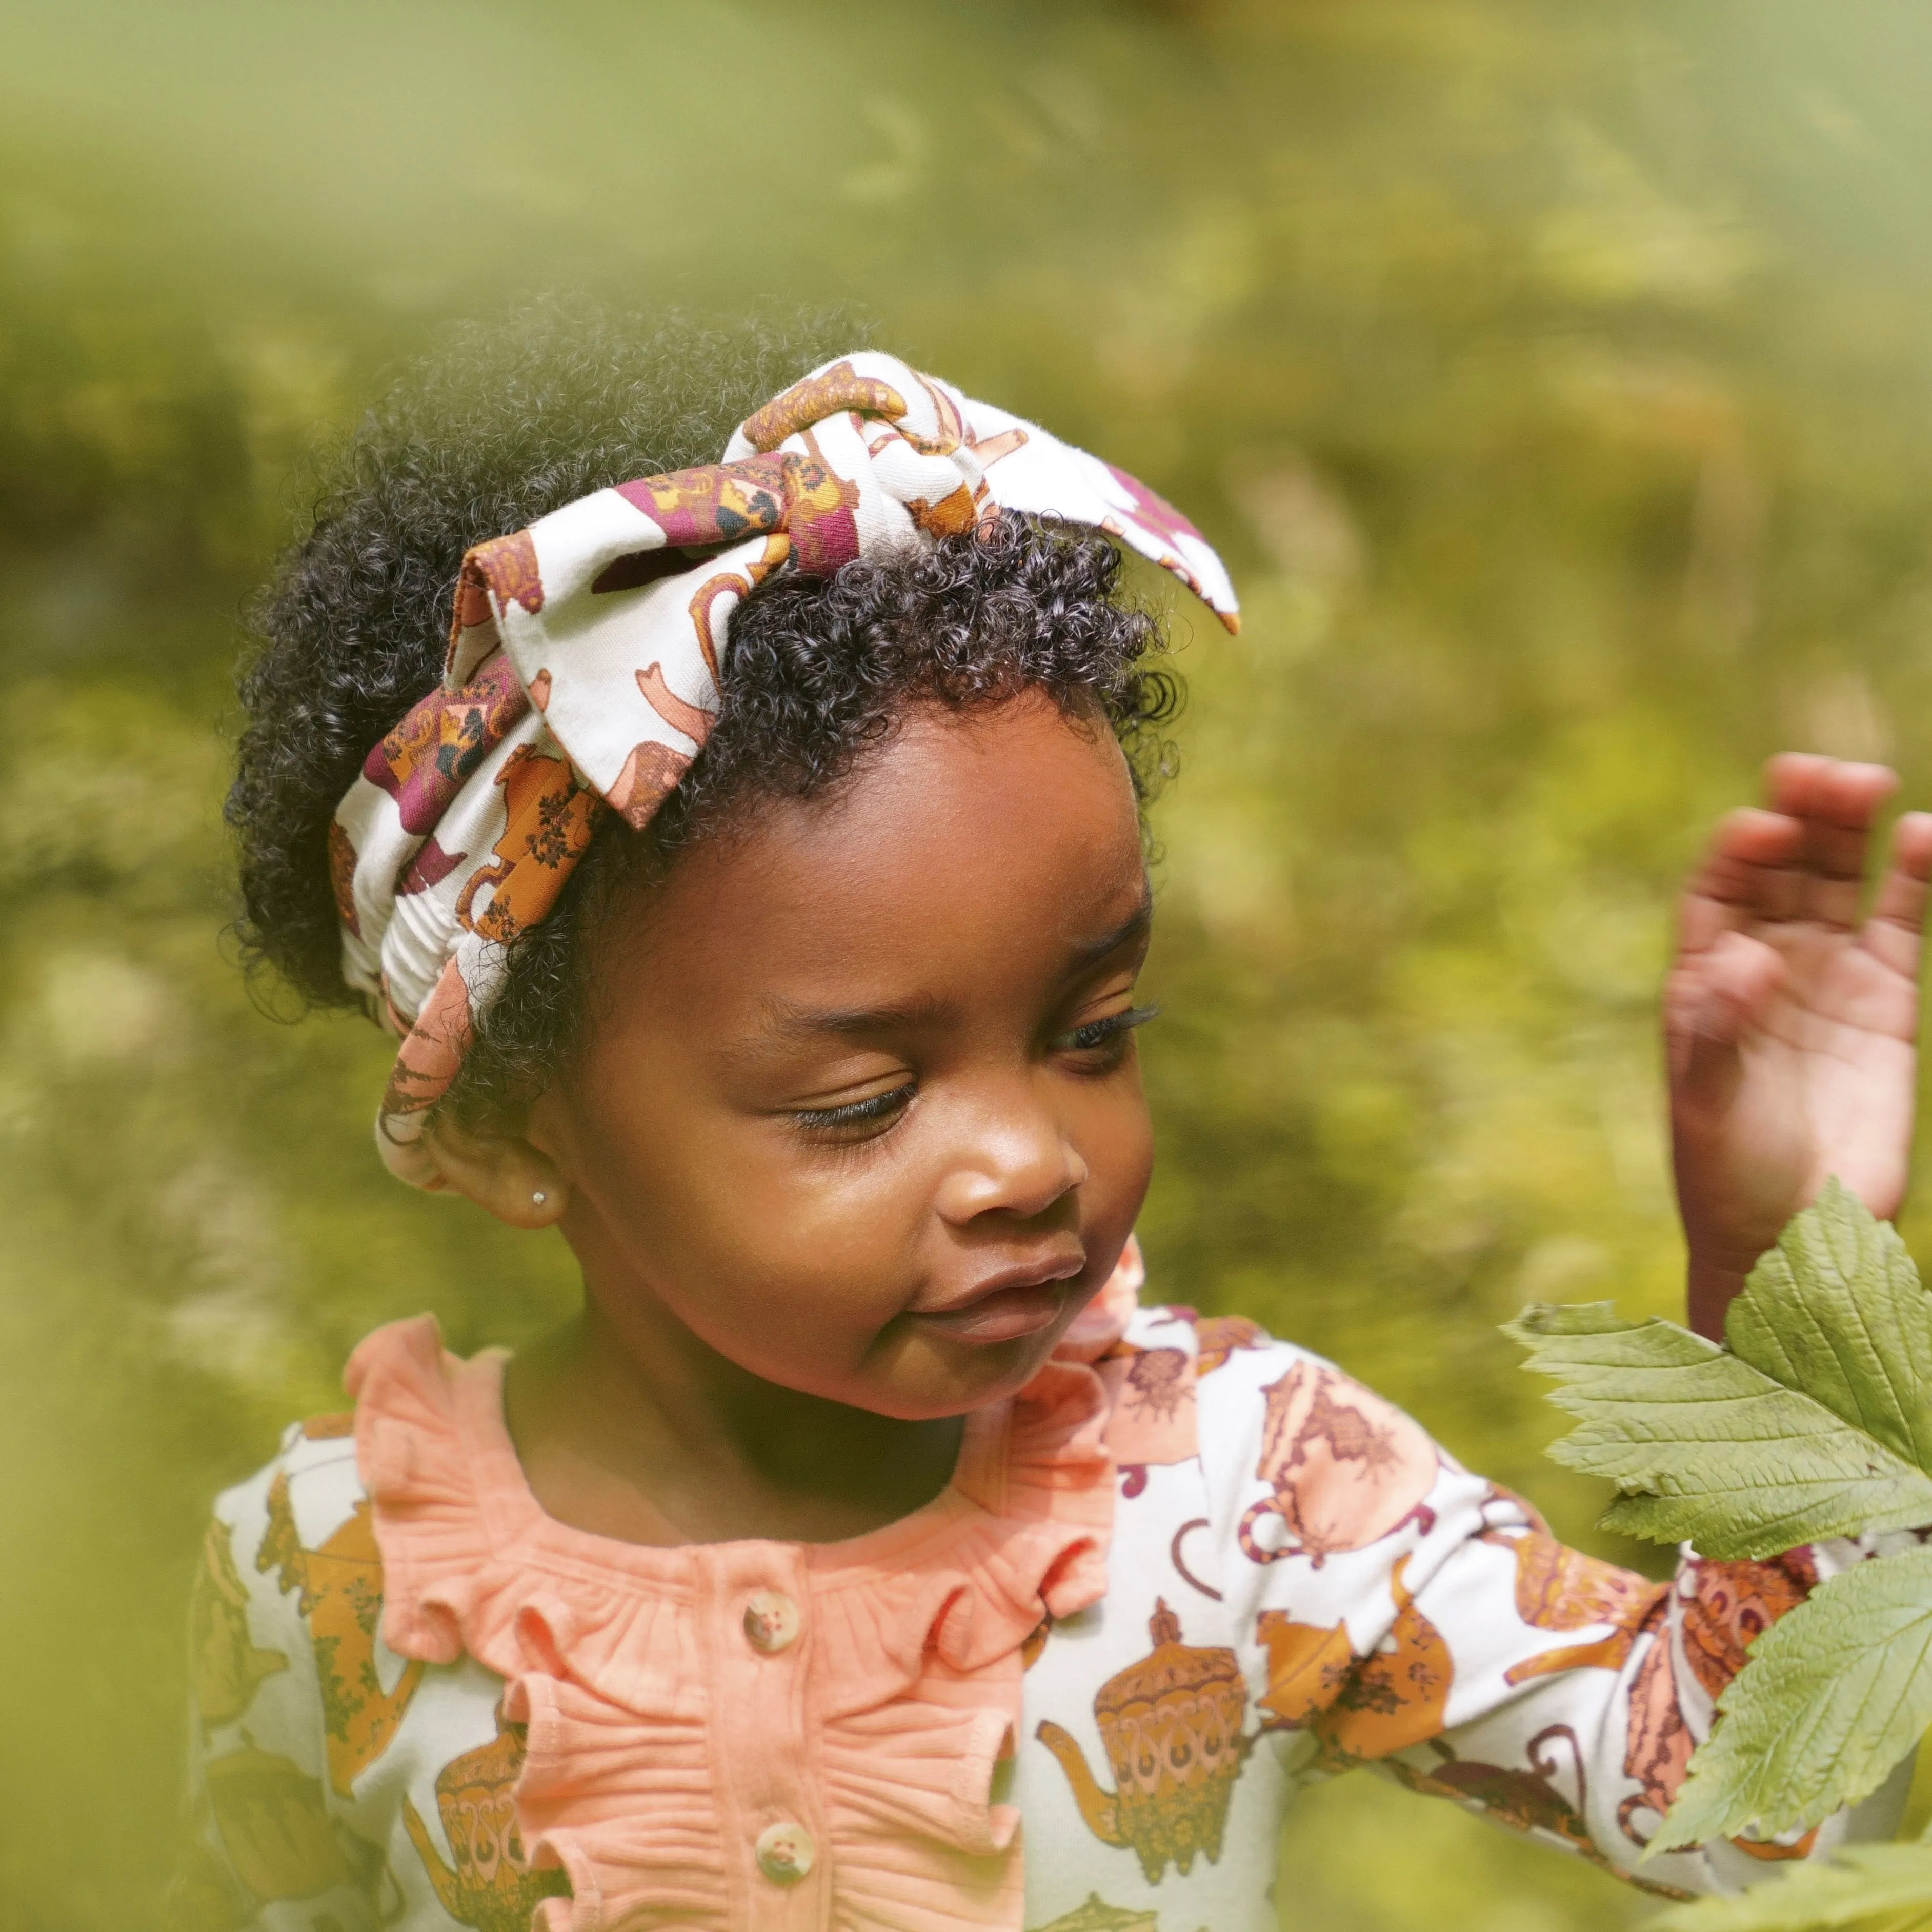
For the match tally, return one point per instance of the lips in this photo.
(1007, 1307)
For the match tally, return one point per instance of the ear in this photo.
(501, 1171)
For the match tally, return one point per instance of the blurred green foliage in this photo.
(1556, 378)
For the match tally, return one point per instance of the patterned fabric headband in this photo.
(584, 672)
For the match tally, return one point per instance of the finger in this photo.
(1748, 875)
(1833, 801)
(1804, 783)
(1893, 934)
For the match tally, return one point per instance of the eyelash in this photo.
(1098, 1033)
(854, 1113)
(878, 1108)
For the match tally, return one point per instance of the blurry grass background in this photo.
(1556, 379)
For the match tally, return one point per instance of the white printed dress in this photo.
(1234, 1571)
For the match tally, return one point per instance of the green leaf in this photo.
(1836, 1310)
(1816, 1421)
(1865, 1887)
(1835, 1694)
(1577, 1318)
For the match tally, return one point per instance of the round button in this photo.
(786, 1853)
(771, 1620)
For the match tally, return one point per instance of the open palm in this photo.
(1792, 1029)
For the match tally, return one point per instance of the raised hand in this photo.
(1792, 1030)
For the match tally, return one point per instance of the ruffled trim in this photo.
(472, 1564)
(914, 1688)
(1102, 1323)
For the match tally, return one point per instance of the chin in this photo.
(989, 1375)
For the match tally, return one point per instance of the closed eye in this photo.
(1097, 1034)
(877, 1110)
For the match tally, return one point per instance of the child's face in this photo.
(851, 1109)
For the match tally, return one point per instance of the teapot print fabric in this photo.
(1298, 1582)
(587, 663)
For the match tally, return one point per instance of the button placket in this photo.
(757, 1607)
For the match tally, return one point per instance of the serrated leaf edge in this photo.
(1688, 1823)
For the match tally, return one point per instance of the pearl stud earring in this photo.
(539, 1197)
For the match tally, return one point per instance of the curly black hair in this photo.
(505, 422)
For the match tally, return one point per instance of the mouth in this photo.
(1008, 1305)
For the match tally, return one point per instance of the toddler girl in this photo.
(751, 865)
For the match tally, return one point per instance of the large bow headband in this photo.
(582, 672)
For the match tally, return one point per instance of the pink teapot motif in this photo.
(1346, 1468)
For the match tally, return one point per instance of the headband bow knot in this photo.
(584, 668)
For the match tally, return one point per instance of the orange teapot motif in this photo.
(1558, 1589)
(1358, 1708)
(275, 1827)
(1097, 1916)
(491, 1887)
(1731, 1605)
(1172, 1725)
(341, 1586)
(225, 1664)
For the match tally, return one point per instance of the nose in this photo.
(1015, 1160)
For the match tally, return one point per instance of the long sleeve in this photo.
(265, 1826)
(1405, 1614)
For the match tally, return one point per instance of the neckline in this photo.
(518, 1527)
(473, 1562)
(437, 1457)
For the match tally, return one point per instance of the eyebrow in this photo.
(789, 1018)
(1137, 925)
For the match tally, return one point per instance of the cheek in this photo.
(721, 1200)
(1114, 1136)
(791, 1260)
(740, 1233)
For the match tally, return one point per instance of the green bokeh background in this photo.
(1556, 378)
